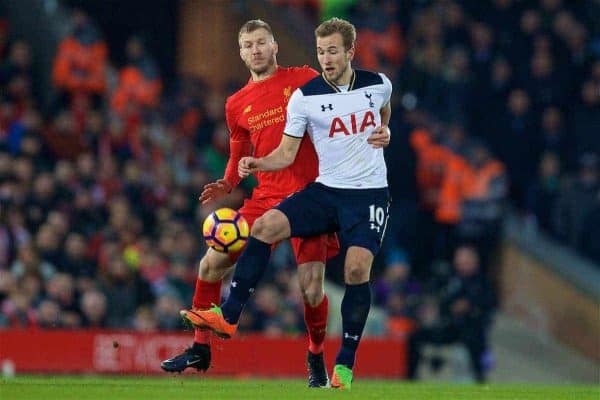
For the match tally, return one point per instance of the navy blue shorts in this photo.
(360, 215)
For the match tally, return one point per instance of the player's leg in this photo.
(275, 225)
(363, 217)
(212, 268)
(311, 255)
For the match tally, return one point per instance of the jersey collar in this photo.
(333, 85)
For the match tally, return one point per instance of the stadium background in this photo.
(111, 119)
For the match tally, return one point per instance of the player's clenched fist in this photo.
(246, 166)
(380, 137)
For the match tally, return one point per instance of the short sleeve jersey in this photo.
(256, 113)
(338, 123)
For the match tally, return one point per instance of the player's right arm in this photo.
(239, 146)
(285, 154)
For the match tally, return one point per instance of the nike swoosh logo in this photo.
(188, 363)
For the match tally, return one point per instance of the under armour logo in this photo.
(375, 227)
(324, 107)
(234, 284)
(353, 337)
(368, 96)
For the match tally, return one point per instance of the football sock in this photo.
(250, 268)
(205, 295)
(316, 324)
(355, 309)
(197, 346)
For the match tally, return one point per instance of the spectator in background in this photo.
(513, 140)
(139, 81)
(93, 306)
(482, 208)
(125, 291)
(380, 46)
(577, 199)
(553, 138)
(543, 194)
(80, 63)
(16, 65)
(465, 311)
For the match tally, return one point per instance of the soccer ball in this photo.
(226, 230)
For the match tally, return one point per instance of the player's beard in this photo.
(336, 78)
(263, 69)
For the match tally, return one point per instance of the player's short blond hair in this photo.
(254, 24)
(338, 25)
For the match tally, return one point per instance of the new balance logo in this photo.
(353, 337)
(325, 107)
(375, 227)
(368, 96)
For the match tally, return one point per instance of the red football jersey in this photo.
(257, 113)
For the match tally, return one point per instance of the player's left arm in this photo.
(281, 157)
(380, 137)
(382, 134)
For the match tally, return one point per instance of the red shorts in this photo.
(319, 248)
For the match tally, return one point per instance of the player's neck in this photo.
(257, 77)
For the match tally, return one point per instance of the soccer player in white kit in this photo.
(346, 114)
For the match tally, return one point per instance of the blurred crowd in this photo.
(495, 103)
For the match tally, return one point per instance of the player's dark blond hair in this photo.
(252, 25)
(338, 25)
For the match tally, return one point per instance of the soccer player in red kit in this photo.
(256, 117)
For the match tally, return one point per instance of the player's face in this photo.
(258, 50)
(333, 57)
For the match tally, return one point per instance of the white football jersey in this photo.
(338, 123)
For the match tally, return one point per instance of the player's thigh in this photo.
(363, 216)
(310, 212)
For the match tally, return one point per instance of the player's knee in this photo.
(355, 274)
(269, 228)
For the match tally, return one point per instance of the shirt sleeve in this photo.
(239, 145)
(387, 89)
(236, 133)
(296, 116)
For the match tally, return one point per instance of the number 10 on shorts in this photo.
(376, 218)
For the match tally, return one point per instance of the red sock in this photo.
(316, 325)
(205, 295)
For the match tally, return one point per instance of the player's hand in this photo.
(214, 191)
(247, 166)
(380, 137)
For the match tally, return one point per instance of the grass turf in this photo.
(192, 387)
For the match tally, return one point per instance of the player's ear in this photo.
(351, 53)
(275, 48)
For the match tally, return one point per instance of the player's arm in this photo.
(381, 135)
(285, 153)
(239, 146)
(281, 157)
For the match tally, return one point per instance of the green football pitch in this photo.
(193, 387)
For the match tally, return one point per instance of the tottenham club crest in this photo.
(368, 96)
